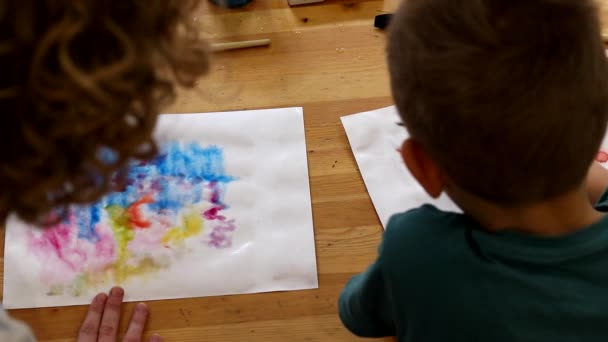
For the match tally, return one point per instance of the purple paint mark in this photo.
(215, 194)
(220, 237)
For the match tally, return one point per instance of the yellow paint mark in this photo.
(88, 280)
(192, 225)
(145, 266)
(123, 234)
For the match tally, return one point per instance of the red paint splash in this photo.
(136, 218)
(212, 214)
(602, 157)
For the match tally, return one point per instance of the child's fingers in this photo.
(111, 316)
(90, 326)
(137, 324)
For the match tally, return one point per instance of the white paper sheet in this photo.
(375, 138)
(225, 209)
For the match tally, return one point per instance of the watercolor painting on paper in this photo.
(187, 223)
(141, 229)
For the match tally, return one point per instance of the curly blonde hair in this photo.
(81, 88)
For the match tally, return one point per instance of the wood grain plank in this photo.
(319, 328)
(294, 70)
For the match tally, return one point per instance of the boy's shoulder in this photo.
(424, 236)
(424, 224)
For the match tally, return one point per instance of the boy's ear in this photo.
(422, 167)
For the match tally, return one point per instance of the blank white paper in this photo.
(224, 209)
(375, 138)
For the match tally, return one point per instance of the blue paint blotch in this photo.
(95, 213)
(86, 220)
(164, 176)
(192, 162)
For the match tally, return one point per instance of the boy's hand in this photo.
(103, 318)
(597, 182)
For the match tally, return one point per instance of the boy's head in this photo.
(80, 88)
(508, 97)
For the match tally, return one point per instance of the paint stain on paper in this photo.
(170, 206)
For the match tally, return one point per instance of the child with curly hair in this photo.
(79, 78)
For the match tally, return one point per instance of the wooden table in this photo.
(329, 59)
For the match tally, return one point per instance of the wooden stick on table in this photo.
(239, 45)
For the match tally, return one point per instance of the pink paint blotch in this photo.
(59, 243)
(104, 248)
(64, 257)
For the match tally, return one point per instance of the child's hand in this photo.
(597, 182)
(103, 318)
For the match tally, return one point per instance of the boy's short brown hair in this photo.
(509, 97)
(81, 80)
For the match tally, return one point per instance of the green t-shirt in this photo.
(440, 277)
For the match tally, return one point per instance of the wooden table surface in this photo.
(329, 59)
